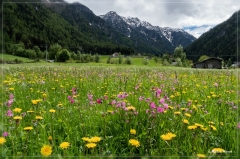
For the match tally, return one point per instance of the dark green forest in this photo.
(35, 24)
(221, 41)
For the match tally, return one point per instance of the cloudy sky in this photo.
(194, 16)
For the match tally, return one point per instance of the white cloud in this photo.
(169, 13)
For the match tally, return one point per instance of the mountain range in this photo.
(75, 27)
(166, 39)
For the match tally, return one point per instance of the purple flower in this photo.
(140, 98)
(69, 97)
(99, 101)
(148, 100)
(160, 109)
(147, 111)
(90, 96)
(11, 96)
(9, 103)
(113, 102)
(162, 100)
(9, 113)
(165, 106)
(152, 105)
(5, 134)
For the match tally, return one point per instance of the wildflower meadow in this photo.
(63, 111)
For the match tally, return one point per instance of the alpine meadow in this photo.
(78, 85)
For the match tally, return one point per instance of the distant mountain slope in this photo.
(220, 41)
(38, 24)
(162, 39)
(75, 26)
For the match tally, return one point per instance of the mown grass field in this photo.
(104, 110)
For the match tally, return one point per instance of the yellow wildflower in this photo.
(134, 142)
(133, 131)
(218, 150)
(2, 140)
(28, 128)
(188, 115)
(91, 145)
(185, 121)
(64, 145)
(192, 127)
(18, 110)
(46, 150)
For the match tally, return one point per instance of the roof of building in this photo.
(210, 58)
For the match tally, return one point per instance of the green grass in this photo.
(55, 83)
(8, 57)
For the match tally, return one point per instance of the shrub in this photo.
(128, 61)
(145, 61)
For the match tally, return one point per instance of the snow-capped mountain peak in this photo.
(130, 26)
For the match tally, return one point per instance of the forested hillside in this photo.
(35, 24)
(221, 41)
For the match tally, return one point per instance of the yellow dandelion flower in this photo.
(131, 108)
(52, 111)
(50, 138)
(44, 95)
(177, 113)
(17, 118)
(91, 145)
(18, 110)
(38, 117)
(185, 121)
(46, 150)
(210, 122)
(171, 134)
(214, 128)
(203, 128)
(133, 131)
(11, 89)
(167, 137)
(208, 97)
(30, 111)
(2, 140)
(183, 108)
(28, 128)
(172, 96)
(198, 125)
(201, 156)
(64, 145)
(60, 104)
(218, 150)
(192, 127)
(211, 93)
(221, 123)
(214, 95)
(86, 139)
(134, 142)
(170, 107)
(188, 115)
(95, 139)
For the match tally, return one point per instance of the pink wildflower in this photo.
(160, 109)
(9, 113)
(153, 105)
(5, 134)
(162, 100)
(99, 101)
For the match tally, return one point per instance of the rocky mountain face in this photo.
(165, 38)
